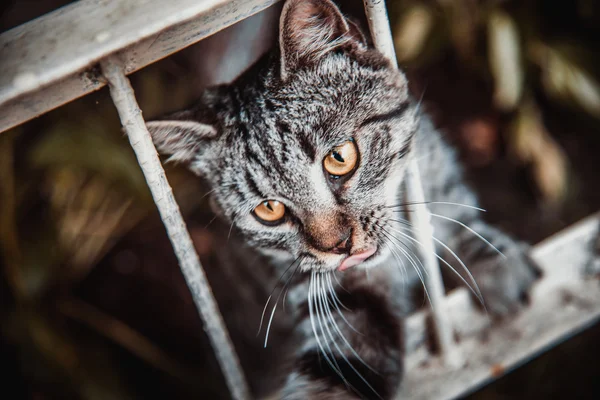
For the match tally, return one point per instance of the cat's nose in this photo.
(329, 233)
(345, 243)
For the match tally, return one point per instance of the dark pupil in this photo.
(338, 157)
(268, 205)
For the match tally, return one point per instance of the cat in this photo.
(305, 154)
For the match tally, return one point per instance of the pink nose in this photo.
(356, 259)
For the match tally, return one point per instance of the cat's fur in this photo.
(265, 137)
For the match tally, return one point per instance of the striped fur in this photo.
(265, 137)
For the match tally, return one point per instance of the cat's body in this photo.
(332, 244)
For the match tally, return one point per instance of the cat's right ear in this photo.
(309, 29)
(182, 140)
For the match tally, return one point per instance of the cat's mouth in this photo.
(357, 258)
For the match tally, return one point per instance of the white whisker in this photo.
(418, 105)
(230, 228)
(470, 230)
(397, 242)
(323, 311)
(211, 221)
(269, 325)
(339, 283)
(288, 281)
(341, 335)
(263, 314)
(448, 203)
(324, 327)
(405, 252)
(206, 194)
(312, 315)
(335, 301)
(401, 266)
(278, 297)
(475, 290)
(272, 291)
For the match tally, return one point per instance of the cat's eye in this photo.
(342, 159)
(270, 212)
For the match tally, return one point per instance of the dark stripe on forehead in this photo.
(395, 113)
(253, 185)
(270, 145)
(282, 129)
(284, 154)
(306, 146)
(257, 162)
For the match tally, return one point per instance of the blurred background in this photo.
(92, 304)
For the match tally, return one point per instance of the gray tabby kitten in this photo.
(305, 154)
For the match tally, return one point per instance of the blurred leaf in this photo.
(90, 146)
(565, 80)
(412, 30)
(504, 52)
(90, 215)
(463, 21)
(95, 189)
(530, 143)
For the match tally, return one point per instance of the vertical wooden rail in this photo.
(421, 219)
(139, 137)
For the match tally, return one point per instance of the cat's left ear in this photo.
(182, 140)
(309, 29)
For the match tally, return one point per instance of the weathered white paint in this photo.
(563, 302)
(141, 141)
(50, 61)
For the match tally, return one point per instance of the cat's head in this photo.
(305, 155)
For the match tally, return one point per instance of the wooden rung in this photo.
(52, 60)
(564, 302)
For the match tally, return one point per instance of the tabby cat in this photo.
(305, 155)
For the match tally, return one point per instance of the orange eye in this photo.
(270, 211)
(342, 159)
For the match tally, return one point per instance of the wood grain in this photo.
(52, 60)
